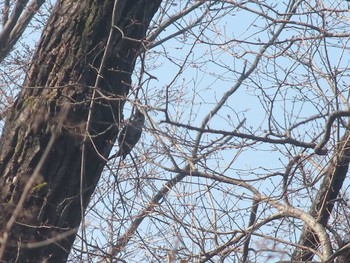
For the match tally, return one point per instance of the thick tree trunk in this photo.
(60, 87)
(323, 204)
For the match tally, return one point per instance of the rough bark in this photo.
(323, 204)
(63, 76)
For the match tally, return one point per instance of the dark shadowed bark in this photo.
(323, 204)
(62, 87)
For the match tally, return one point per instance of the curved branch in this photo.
(327, 135)
(311, 222)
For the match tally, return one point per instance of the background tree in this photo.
(244, 156)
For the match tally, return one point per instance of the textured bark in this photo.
(63, 75)
(323, 204)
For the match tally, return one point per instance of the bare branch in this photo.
(332, 117)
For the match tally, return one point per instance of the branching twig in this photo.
(287, 140)
(15, 25)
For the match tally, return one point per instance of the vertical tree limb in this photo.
(63, 73)
(323, 204)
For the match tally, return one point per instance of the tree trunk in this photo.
(61, 87)
(323, 204)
